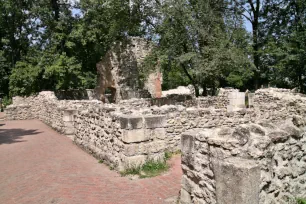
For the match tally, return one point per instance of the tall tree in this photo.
(195, 36)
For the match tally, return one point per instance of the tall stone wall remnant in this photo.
(118, 70)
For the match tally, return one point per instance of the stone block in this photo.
(68, 115)
(237, 181)
(251, 97)
(68, 128)
(132, 136)
(155, 147)
(187, 143)
(131, 149)
(185, 197)
(236, 101)
(278, 136)
(131, 122)
(159, 133)
(134, 161)
(155, 121)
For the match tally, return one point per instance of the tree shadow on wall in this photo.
(9, 136)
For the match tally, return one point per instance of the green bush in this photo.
(5, 102)
(301, 201)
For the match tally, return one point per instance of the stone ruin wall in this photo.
(122, 141)
(118, 134)
(45, 107)
(262, 161)
(254, 163)
(119, 70)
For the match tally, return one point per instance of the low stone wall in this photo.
(103, 130)
(121, 141)
(46, 107)
(255, 163)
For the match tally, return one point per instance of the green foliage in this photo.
(153, 168)
(301, 201)
(46, 46)
(24, 79)
(6, 101)
(149, 169)
(64, 72)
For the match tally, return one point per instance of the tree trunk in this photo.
(196, 88)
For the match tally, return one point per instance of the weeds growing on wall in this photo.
(151, 168)
(301, 201)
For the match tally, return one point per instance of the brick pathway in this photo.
(38, 165)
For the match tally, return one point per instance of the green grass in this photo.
(100, 161)
(153, 168)
(301, 201)
(169, 155)
(150, 169)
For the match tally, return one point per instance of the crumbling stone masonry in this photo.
(264, 144)
(121, 141)
(118, 70)
(254, 163)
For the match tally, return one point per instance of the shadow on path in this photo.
(9, 136)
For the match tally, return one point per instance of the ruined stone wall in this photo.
(122, 141)
(279, 104)
(255, 163)
(119, 69)
(46, 107)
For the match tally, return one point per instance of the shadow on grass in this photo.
(9, 136)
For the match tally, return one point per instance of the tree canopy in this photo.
(55, 44)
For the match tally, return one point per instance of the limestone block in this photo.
(159, 133)
(68, 115)
(134, 161)
(69, 128)
(132, 136)
(251, 97)
(237, 181)
(131, 122)
(279, 136)
(155, 121)
(131, 149)
(236, 101)
(242, 134)
(185, 197)
(187, 143)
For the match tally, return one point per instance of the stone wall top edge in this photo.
(276, 132)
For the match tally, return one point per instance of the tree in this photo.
(200, 39)
(285, 49)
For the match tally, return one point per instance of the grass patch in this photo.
(149, 169)
(301, 201)
(100, 161)
(169, 155)
(153, 168)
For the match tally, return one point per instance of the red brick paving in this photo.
(38, 165)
